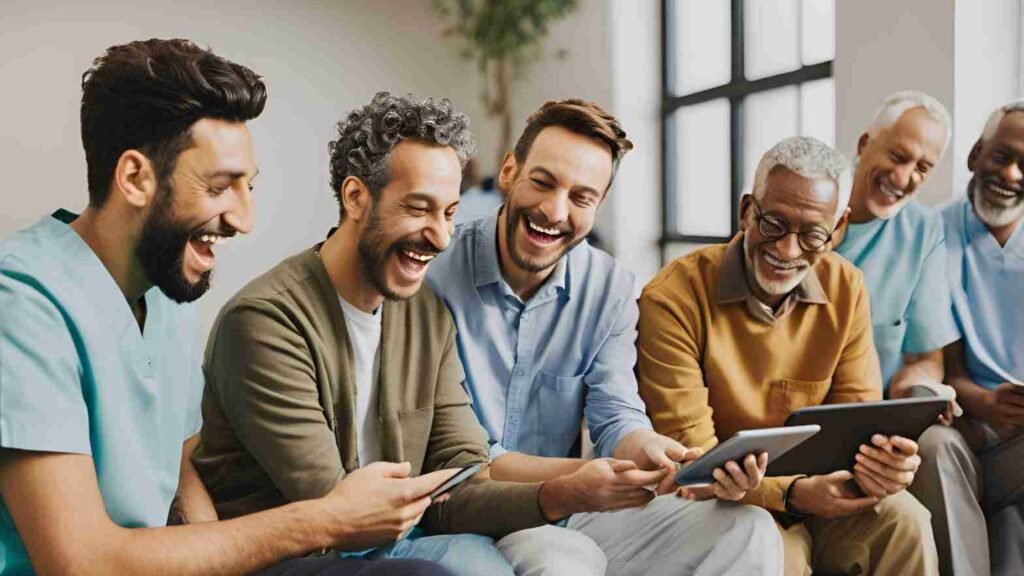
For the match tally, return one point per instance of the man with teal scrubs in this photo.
(971, 477)
(898, 243)
(99, 372)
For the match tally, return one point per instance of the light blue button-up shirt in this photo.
(535, 368)
(904, 262)
(987, 284)
(78, 376)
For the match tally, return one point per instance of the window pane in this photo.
(818, 20)
(702, 169)
(768, 117)
(771, 37)
(818, 110)
(701, 33)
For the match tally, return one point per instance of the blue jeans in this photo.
(463, 554)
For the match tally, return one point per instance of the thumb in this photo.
(392, 469)
(621, 465)
(839, 476)
(675, 451)
(692, 454)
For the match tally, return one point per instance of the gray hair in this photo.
(810, 158)
(997, 116)
(368, 135)
(897, 104)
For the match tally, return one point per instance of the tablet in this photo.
(844, 427)
(774, 441)
(460, 477)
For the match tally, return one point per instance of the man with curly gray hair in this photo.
(335, 364)
(738, 336)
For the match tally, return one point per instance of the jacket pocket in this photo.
(789, 395)
(414, 426)
(561, 411)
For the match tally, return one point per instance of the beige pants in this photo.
(972, 480)
(669, 536)
(893, 538)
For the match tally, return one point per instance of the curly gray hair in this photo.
(367, 136)
(810, 158)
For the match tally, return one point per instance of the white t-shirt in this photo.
(364, 335)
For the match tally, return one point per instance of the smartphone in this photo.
(460, 477)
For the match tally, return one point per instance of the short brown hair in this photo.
(579, 117)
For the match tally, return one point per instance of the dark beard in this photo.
(374, 253)
(161, 252)
(511, 223)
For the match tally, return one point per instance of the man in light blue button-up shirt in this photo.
(547, 330)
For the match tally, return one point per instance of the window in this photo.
(739, 76)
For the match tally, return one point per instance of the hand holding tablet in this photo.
(753, 448)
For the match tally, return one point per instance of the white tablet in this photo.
(774, 441)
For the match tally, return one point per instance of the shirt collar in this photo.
(732, 280)
(487, 268)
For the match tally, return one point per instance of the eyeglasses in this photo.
(772, 228)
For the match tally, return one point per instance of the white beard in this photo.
(993, 216)
(772, 287)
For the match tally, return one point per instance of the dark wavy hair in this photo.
(580, 117)
(146, 95)
(367, 136)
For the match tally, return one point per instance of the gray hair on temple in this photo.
(898, 103)
(810, 158)
(368, 135)
(997, 116)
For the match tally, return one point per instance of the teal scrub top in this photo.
(903, 260)
(986, 280)
(77, 375)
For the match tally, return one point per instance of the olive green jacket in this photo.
(279, 404)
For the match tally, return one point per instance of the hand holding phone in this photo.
(460, 477)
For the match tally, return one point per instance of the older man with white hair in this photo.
(972, 473)
(734, 337)
(898, 243)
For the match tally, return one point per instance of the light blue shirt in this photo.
(535, 368)
(987, 284)
(77, 376)
(904, 263)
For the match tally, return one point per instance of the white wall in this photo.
(884, 46)
(987, 72)
(319, 59)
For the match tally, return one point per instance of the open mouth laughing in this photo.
(783, 266)
(413, 261)
(890, 192)
(1003, 196)
(199, 250)
(543, 236)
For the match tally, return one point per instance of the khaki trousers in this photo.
(972, 481)
(893, 538)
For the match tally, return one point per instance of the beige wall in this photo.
(882, 47)
(319, 60)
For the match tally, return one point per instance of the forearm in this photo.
(488, 507)
(233, 547)
(192, 503)
(631, 446)
(917, 368)
(519, 467)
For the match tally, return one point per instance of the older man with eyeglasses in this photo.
(737, 336)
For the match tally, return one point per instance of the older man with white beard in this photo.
(735, 337)
(971, 473)
(898, 244)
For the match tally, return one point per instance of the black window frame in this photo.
(736, 91)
